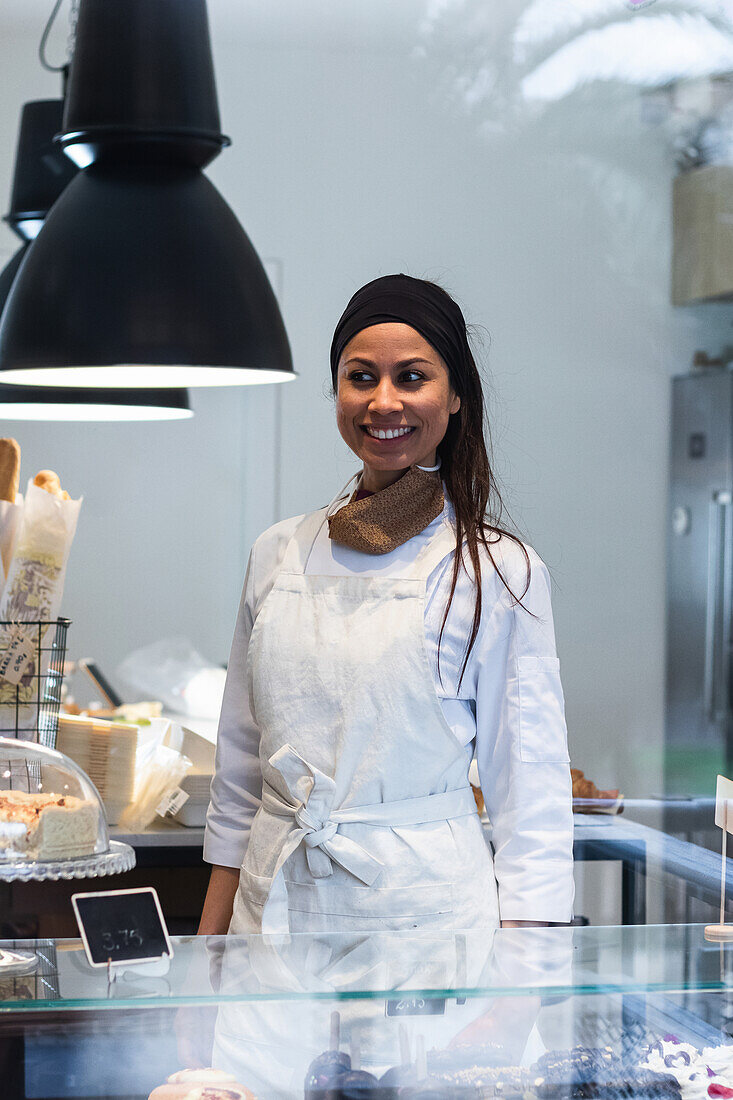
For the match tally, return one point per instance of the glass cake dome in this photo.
(52, 821)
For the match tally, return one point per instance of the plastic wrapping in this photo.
(158, 773)
(173, 671)
(10, 519)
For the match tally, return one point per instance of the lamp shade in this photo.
(66, 404)
(41, 174)
(42, 171)
(142, 83)
(141, 275)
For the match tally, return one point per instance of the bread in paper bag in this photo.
(33, 593)
(11, 502)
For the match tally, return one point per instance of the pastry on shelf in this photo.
(581, 1073)
(588, 799)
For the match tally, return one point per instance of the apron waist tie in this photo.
(317, 827)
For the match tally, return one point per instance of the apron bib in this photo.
(367, 820)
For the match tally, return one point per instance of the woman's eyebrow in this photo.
(400, 362)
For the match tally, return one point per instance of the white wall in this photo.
(554, 236)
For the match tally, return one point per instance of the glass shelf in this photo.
(494, 1012)
(555, 962)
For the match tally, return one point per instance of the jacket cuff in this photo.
(542, 893)
(224, 846)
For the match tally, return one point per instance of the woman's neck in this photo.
(376, 480)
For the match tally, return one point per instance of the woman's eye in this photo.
(359, 376)
(411, 376)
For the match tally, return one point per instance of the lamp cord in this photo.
(44, 39)
(73, 16)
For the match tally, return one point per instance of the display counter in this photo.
(169, 856)
(586, 1012)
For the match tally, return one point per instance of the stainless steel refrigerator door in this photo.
(699, 583)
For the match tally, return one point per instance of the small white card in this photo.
(16, 658)
(723, 794)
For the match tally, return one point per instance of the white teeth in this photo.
(388, 433)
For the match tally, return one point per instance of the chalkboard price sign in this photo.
(416, 1006)
(122, 926)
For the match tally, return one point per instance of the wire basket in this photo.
(37, 980)
(31, 676)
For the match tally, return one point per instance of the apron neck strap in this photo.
(436, 550)
(300, 545)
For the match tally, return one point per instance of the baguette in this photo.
(9, 469)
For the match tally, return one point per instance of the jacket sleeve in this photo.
(236, 789)
(522, 755)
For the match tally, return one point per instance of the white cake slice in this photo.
(46, 826)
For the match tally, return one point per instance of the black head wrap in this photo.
(424, 306)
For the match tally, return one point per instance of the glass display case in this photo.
(559, 1012)
(52, 821)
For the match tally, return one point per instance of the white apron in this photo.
(367, 820)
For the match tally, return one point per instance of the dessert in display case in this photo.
(531, 1014)
(52, 826)
(52, 822)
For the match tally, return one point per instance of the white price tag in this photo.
(172, 803)
(723, 794)
(15, 659)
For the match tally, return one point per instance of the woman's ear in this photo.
(455, 404)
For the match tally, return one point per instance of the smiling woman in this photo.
(381, 643)
(393, 401)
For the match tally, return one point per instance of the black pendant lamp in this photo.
(141, 275)
(42, 172)
(68, 403)
(8, 273)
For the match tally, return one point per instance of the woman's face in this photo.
(393, 401)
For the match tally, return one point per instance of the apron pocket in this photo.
(542, 737)
(254, 888)
(393, 908)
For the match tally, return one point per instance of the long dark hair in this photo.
(472, 490)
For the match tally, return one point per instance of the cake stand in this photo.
(13, 964)
(119, 857)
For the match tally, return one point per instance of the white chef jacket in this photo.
(509, 705)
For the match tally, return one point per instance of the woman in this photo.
(379, 644)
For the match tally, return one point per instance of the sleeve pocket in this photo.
(542, 733)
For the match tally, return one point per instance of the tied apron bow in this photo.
(311, 794)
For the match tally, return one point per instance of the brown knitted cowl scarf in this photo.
(385, 520)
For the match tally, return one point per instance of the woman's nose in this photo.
(385, 397)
